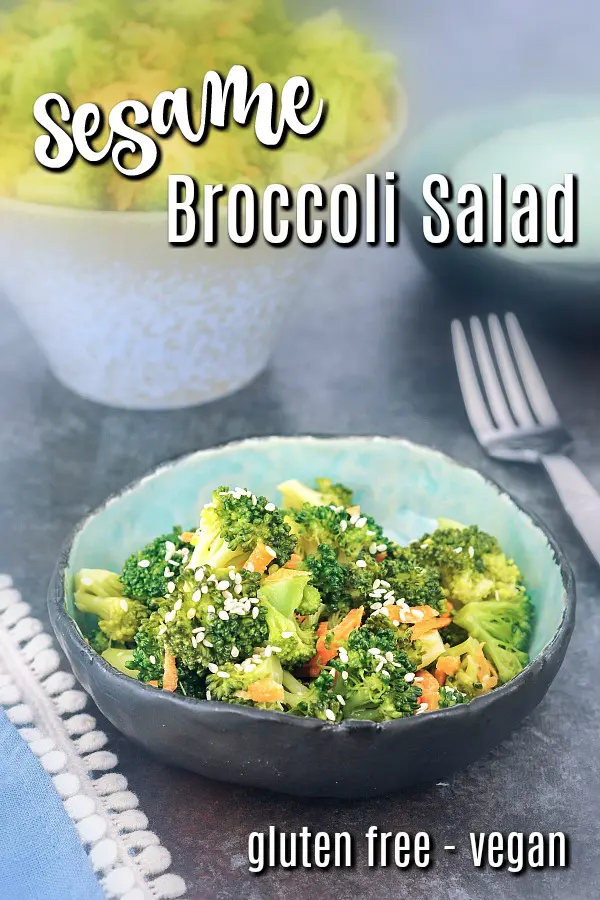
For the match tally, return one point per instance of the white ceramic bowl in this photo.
(128, 320)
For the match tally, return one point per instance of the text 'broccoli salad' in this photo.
(308, 608)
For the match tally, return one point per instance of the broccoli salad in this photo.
(308, 608)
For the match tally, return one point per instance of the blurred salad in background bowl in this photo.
(83, 252)
(106, 51)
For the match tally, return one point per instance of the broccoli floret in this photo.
(234, 523)
(397, 638)
(398, 578)
(449, 696)
(232, 682)
(476, 675)
(350, 535)
(100, 593)
(148, 656)
(329, 577)
(289, 591)
(317, 699)
(334, 494)
(143, 574)
(120, 658)
(372, 668)
(296, 644)
(504, 627)
(471, 564)
(99, 641)
(210, 617)
(326, 493)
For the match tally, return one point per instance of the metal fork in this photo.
(519, 421)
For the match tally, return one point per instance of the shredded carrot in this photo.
(259, 559)
(187, 536)
(380, 557)
(411, 616)
(430, 688)
(487, 674)
(293, 561)
(446, 665)
(152, 683)
(426, 625)
(265, 691)
(326, 650)
(170, 671)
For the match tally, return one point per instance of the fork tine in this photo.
(479, 417)
(491, 382)
(514, 391)
(536, 390)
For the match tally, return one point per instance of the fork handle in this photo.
(580, 498)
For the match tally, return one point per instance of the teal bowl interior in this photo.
(405, 486)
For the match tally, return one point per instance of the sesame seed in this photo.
(330, 715)
(170, 546)
(270, 550)
(235, 652)
(144, 563)
(208, 694)
(384, 611)
(199, 575)
(238, 588)
(249, 667)
(212, 667)
(124, 605)
(162, 629)
(276, 649)
(223, 615)
(152, 660)
(255, 612)
(168, 573)
(287, 634)
(207, 643)
(423, 707)
(170, 587)
(458, 549)
(385, 673)
(361, 564)
(222, 674)
(196, 596)
(268, 651)
(373, 548)
(269, 507)
(344, 676)
(177, 605)
(223, 585)
(191, 613)
(376, 584)
(343, 525)
(418, 678)
(254, 500)
(343, 654)
(198, 630)
(227, 595)
(471, 552)
(194, 641)
(381, 548)
(389, 656)
(376, 605)
(380, 665)
(374, 651)
(210, 608)
(385, 584)
(249, 567)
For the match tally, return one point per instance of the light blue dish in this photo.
(406, 487)
(558, 277)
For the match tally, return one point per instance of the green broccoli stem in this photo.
(119, 658)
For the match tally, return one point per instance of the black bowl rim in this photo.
(62, 621)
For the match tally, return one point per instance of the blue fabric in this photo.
(41, 857)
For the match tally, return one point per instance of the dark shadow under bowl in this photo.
(309, 757)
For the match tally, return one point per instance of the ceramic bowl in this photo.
(557, 279)
(406, 487)
(130, 321)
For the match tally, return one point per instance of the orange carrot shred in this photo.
(293, 561)
(259, 559)
(170, 671)
(265, 691)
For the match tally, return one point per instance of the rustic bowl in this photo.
(406, 487)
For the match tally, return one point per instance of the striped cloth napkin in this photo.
(70, 829)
